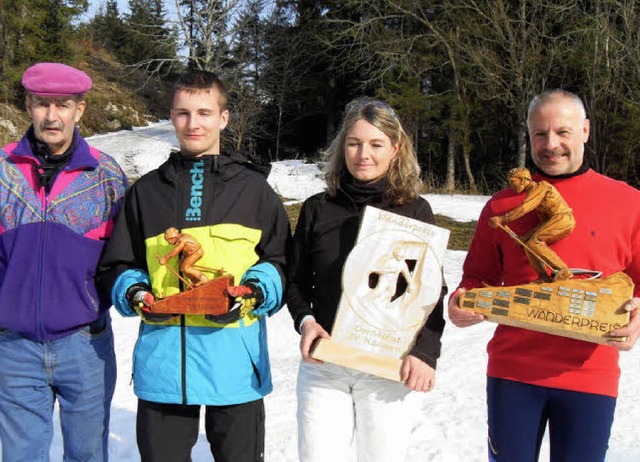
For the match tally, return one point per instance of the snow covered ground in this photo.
(453, 423)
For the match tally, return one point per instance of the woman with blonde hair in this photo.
(371, 161)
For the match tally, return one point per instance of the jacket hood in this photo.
(227, 165)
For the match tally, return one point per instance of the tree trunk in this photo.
(466, 154)
(522, 144)
(450, 181)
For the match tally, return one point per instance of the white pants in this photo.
(335, 402)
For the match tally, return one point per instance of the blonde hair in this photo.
(404, 172)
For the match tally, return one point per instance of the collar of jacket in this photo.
(225, 165)
(81, 158)
(359, 194)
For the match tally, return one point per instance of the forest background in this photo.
(459, 73)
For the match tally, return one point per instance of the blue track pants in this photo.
(579, 423)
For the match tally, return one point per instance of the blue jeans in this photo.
(579, 423)
(79, 371)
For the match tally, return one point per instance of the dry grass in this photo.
(18, 117)
(294, 212)
(461, 232)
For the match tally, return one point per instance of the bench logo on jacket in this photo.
(194, 212)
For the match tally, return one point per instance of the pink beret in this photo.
(55, 79)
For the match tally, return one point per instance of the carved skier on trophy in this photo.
(200, 295)
(570, 302)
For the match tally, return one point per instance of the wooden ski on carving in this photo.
(208, 298)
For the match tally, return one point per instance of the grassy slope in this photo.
(118, 94)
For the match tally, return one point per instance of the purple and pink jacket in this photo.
(50, 244)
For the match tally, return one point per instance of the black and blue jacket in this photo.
(225, 203)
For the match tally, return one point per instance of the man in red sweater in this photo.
(535, 379)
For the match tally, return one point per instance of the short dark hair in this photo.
(194, 81)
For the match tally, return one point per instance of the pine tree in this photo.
(107, 28)
(204, 32)
(34, 31)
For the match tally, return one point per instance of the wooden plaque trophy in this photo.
(201, 295)
(391, 282)
(561, 301)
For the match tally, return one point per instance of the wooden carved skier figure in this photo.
(190, 252)
(556, 222)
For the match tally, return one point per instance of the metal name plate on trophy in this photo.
(582, 309)
(391, 282)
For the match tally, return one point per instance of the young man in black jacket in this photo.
(186, 361)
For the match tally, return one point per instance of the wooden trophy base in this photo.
(208, 298)
(348, 356)
(584, 309)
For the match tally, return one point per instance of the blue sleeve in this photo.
(269, 279)
(119, 291)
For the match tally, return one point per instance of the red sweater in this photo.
(606, 238)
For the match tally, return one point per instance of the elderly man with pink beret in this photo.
(58, 200)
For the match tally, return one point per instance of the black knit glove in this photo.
(246, 298)
(141, 300)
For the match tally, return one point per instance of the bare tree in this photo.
(389, 38)
(441, 28)
(513, 47)
(610, 39)
(203, 28)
